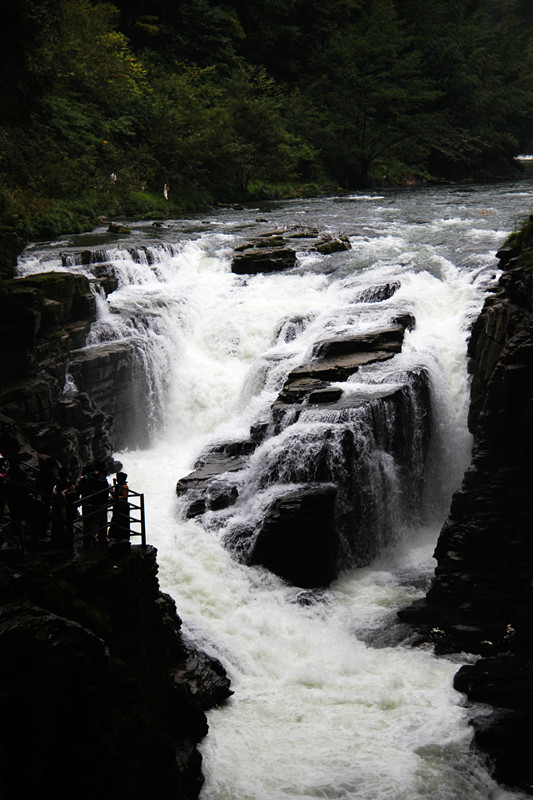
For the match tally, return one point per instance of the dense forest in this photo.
(103, 104)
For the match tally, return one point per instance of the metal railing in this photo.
(100, 532)
(29, 511)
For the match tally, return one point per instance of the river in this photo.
(329, 700)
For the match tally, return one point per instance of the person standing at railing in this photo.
(94, 490)
(120, 521)
(63, 511)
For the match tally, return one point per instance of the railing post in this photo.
(143, 525)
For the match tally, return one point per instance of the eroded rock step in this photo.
(270, 252)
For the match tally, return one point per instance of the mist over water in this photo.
(328, 703)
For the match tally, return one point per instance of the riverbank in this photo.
(25, 217)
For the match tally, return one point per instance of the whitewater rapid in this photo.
(328, 702)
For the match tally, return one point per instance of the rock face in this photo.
(43, 318)
(481, 598)
(326, 457)
(100, 694)
(111, 375)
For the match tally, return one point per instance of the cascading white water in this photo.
(317, 713)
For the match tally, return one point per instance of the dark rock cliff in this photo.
(100, 695)
(73, 402)
(481, 598)
(43, 318)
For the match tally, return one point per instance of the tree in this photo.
(373, 96)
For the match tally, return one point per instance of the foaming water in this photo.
(318, 712)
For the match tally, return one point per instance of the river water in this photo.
(329, 700)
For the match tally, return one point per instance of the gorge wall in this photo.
(481, 598)
(100, 693)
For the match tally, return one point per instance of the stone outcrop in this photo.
(481, 598)
(100, 694)
(111, 375)
(297, 539)
(72, 402)
(328, 512)
(274, 251)
(43, 318)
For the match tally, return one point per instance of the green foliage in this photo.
(102, 105)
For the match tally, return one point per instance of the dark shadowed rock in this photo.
(328, 395)
(263, 259)
(98, 684)
(206, 487)
(44, 318)
(481, 597)
(297, 539)
(384, 340)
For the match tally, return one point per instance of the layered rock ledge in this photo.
(481, 598)
(44, 318)
(316, 457)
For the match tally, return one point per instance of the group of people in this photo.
(96, 496)
(44, 504)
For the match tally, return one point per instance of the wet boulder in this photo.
(378, 293)
(261, 258)
(297, 540)
(208, 486)
(332, 244)
(385, 340)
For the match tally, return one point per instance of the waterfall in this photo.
(317, 712)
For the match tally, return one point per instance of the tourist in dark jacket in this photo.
(94, 490)
(63, 511)
(120, 521)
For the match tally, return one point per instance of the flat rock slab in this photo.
(338, 368)
(386, 339)
(217, 464)
(206, 489)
